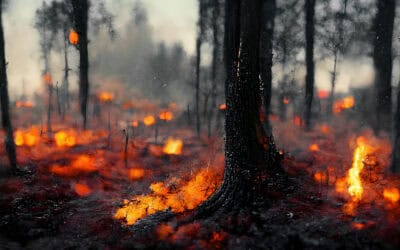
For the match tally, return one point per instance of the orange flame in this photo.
(149, 120)
(105, 96)
(285, 101)
(391, 194)
(73, 37)
(166, 115)
(342, 104)
(27, 138)
(319, 177)
(222, 106)
(173, 147)
(323, 94)
(186, 197)
(135, 123)
(64, 139)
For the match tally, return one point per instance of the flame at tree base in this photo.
(177, 196)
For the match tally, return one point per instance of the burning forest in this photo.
(199, 124)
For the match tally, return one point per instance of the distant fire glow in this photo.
(343, 104)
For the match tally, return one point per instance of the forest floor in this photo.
(57, 202)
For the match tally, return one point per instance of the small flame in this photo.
(27, 138)
(297, 121)
(149, 120)
(64, 139)
(391, 194)
(166, 116)
(173, 147)
(135, 123)
(105, 96)
(342, 104)
(73, 37)
(136, 173)
(222, 106)
(319, 177)
(22, 104)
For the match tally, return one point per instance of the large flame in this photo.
(177, 196)
(173, 146)
(65, 138)
(27, 138)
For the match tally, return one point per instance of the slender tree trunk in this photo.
(382, 56)
(197, 94)
(4, 100)
(333, 82)
(214, 64)
(266, 55)
(246, 144)
(81, 9)
(395, 167)
(66, 72)
(310, 13)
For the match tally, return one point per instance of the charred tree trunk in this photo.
(81, 9)
(395, 167)
(4, 100)
(333, 82)
(214, 64)
(266, 55)
(310, 30)
(382, 56)
(66, 73)
(248, 153)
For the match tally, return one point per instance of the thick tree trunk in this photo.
(310, 29)
(382, 56)
(4, 100)
(266, 55)
(248, 153)
(81, 9)
(395, 167)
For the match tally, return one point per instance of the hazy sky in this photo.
(171, 20)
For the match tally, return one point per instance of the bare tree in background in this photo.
(383, 62)
(4, 99)
(266, 55)
(310, 30)
(199, 41)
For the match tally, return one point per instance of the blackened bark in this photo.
(395, 167)
(199, 42)
(247, 149)
(266, 55)
(214, 63)
(81, 9)
(4, 100)
(382, 56)
(310, 30)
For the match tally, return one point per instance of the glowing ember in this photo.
(297, 121)
(82, 189)
(391, 194)
(64, 139)
(222, 106)
(177, 197)
(323, 94)
(325, 129)
(314, 147)
(342, 104)
(173, 147)
(105, 96)
(285, 101)
(149, 120)
(136, 173)
(73, 37)
(47, 79)
(166, 116)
